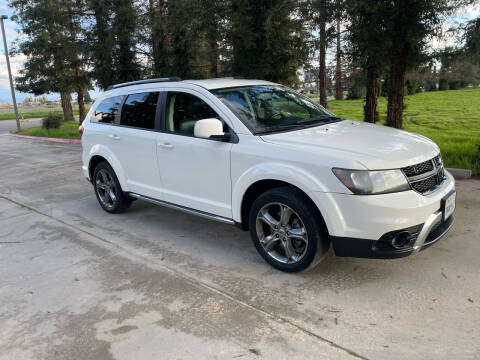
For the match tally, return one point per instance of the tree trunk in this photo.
(322, 70)
(81, 105)
(103, 47)
(213, 55)
(396, 85)
(338, 70)
(157, 17)
(124, 26)
(66, 106)
(370, 113)
(443, 81)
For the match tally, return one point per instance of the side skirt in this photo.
(184, 209)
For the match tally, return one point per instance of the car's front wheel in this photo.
(286, 230)
(108, 190)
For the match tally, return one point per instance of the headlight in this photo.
(364, 182)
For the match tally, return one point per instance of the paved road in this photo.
(8, 125)
(158, 284)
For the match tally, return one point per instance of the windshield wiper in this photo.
(301, 125)
(281, 128)
(322, 119)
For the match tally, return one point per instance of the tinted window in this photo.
(184, 110)
(139, 110)
(107, 109)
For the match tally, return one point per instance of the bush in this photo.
(52, 121)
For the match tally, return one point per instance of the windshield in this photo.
(266, 108)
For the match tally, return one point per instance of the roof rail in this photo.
(146, 81)
(234, 77)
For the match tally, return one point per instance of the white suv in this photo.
(266, 158)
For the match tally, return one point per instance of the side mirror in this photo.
(210, 129)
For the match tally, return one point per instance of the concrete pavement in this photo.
(154, 283)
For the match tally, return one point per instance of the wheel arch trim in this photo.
(275, 172)
(104, 152)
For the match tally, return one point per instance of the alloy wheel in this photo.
(106, 189)
(281, 233)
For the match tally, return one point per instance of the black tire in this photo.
(317, 238)
(121, 202)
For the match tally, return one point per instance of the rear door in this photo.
(134, 142)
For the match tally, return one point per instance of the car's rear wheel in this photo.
(286, 230)
(108, 190)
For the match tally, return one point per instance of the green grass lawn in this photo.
(39, 111)
(67, 130)
(450, 118)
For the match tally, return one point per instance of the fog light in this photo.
(401, 239)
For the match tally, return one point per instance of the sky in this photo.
(16, 62)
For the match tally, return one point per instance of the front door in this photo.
(195, 172)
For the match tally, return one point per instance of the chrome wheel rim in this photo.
(106, 189)
(281, 233)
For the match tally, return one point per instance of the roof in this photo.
(220, 83)
(209, 84)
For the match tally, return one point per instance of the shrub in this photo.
(52, 121)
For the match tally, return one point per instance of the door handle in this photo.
(114, 137)
(165, 145)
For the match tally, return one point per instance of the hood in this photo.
(373, 146)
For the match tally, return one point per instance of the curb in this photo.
(57, 140)
(460, 173)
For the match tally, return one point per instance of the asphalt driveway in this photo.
(153, 283)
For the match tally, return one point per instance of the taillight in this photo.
(80, 130)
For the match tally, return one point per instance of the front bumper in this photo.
(432, 231)
(359, 225)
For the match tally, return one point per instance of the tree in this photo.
(214, 18)
(183, 37)
(459, 69)
(322, 50)
(320, 12)
(157, 36)
(472, 40)
(112, 41)
(44, 41)
(28, 100)
(76, 49)
(124, 27)
(369, 47)
(338, 67)
(410, 23)
(101, 41)
(87, 98)
(268, 39)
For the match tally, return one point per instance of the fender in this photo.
(290, 174)
(104, 152)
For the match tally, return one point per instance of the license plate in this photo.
(449, 205)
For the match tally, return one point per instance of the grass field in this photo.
(450, 118)
(29, 112)
(67, 130)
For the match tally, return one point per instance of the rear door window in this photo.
(139, 110)
(107, 110)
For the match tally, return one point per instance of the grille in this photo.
(426, 185)
(418, 169)
(433, 171)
